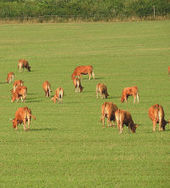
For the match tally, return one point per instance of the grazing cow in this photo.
(77, 85)
(17, 83)
(169, 70)
(59, 93)
(156, 114)
(124, 117)
(108, 111)
(10, 77)
(22, 115)
(102, 90)
(83, 70)
(22, 63)
(130, 91)
(47, 88)
(19, 93)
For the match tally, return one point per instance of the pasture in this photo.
(67, 146)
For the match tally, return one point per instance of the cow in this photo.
(47, 88)
(10, 77)
(59, 93)
(123, 117)
(22, 115)
(102, 90)
(77, 85)
(108, 111)
(19, 93)
(169, 70)
(156, 114)
(22, 63)
(130, 91)
(17, 83)
(83, 70)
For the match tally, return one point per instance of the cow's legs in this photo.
(154, 125)
(29, 120)
(160, 126)
(93, 75)
(134, 98)
(89, 76)
(24, 122)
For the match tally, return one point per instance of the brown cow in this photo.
(22, 63)
(83, 70)
(169, 70)
(102, 90)
(10, 77)
(156, 114)
(77, 85)
(47, 88)
(17, 83)
(59, 93)
(19, 93)
(108, 111)
(124, 117)
(130, 91)
(22, 115)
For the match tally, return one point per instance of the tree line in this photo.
(84, 9)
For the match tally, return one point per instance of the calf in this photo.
(83, 70)
(10, 77)
(22, 63)
(156, 114)
(108, 111)
(130, 91)
(47, 88)
(124, 117)
(59, 93)
(102, 90)
(19, 93)
(22, 115)
(77, 85)
(17, 83)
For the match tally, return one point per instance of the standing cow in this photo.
(22, 115)
(47, 88)
(22, 63)
(124, 117)
(108, 111)
(77, 85)
(17, 83)
(156, 114)
(10, 77)
(19, 93)
(102, 90)
(83, 70)
(130, 91)
(59, 93)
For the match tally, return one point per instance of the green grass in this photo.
(67, 146)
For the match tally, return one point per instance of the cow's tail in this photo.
(61, 93)
(48, 90)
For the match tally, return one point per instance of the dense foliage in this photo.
(84, 9)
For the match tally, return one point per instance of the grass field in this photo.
(67, 146)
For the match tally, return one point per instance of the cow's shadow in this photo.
(3, 83)
(43, 129)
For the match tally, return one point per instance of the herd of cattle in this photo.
(109, 109)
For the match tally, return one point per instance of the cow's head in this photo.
(164, 123)
(14, 96)
(29, 68)
(14, 123)
(133, 128)
(122, 99)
